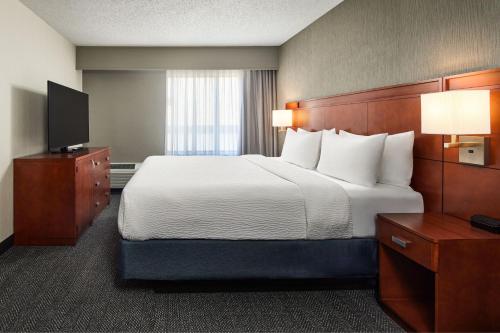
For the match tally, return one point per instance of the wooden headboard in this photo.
(446, 185)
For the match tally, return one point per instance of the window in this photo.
(204, 112)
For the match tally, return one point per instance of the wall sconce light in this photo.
(282, 119)
(459, 112)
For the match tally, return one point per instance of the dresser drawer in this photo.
(410, 245)
(101, 161)
(99, 204)
(101, 181)
(100, 199)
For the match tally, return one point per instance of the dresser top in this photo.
(69, 156)
(435, 227)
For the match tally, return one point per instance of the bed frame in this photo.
(442, 181)
(184, 260)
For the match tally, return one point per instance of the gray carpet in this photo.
(76, 289)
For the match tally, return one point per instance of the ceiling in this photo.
(179, 22)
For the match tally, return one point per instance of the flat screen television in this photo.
(68, 117)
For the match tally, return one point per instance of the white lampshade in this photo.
(282, 118)
(456, 112)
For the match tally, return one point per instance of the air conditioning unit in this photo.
(121, 173)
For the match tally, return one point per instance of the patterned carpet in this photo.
(76, 289)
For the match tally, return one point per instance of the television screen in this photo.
(68, 113)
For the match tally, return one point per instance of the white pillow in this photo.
(397, 159)
(355, 159)
(302, 148)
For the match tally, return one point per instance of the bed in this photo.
(249, 217)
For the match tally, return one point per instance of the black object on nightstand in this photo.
(486, 223)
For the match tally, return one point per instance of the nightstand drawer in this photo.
(410, 245)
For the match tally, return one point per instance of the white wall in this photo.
(31, 53)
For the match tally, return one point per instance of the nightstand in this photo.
(437, 273)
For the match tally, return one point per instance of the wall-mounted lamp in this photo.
(282, 119)
(459, 112)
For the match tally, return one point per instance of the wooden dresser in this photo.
(437, 273)
(57, 196)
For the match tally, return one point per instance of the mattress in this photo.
(248, 197)
(251, 203)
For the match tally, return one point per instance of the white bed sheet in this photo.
(367, 202)
(248, 197)
(146, 207)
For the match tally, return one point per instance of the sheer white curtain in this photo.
(204, 112)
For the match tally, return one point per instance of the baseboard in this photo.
(6, 244)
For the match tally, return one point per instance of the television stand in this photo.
(68, 150)
(57, 196)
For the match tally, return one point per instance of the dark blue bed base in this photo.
(177, 260)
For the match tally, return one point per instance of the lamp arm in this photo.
(460, 144)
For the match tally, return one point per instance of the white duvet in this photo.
(245, 197)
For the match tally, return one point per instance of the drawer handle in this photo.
(107, 158)
(97, 204)
(97, 184)
(401, 242)
(93, 163)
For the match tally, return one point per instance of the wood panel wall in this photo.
(469, 190)
(446, 185)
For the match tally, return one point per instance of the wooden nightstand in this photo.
(437, 273)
